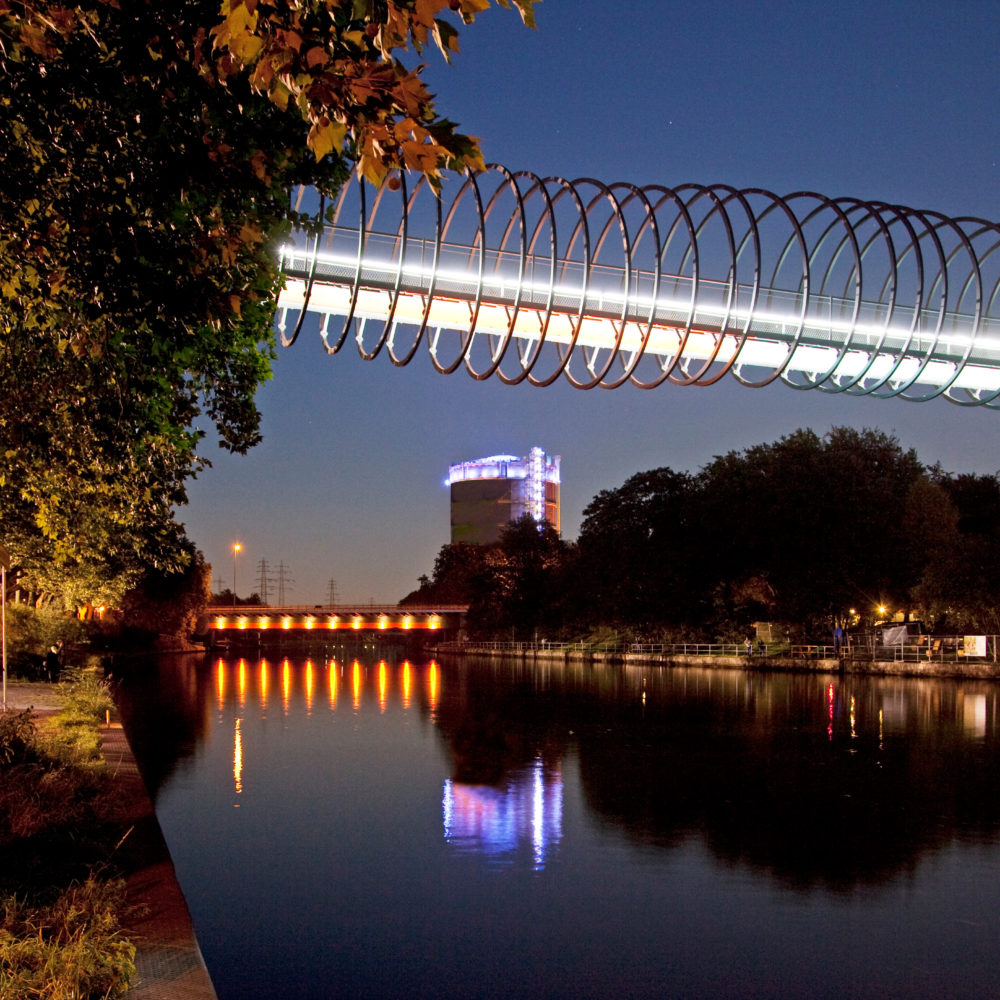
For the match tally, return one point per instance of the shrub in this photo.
(86, 695)
(73, 947)
(17, 738)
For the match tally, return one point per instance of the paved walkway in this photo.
(169, 962)
(38, 696)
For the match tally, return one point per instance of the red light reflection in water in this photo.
(829, 699)
(220, 682)
(309, 687)
(242, 681)
(356, 684)
(286, 684)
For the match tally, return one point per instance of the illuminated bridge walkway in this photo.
(248, 623)
(530, 279)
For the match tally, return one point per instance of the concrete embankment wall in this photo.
(980, 669)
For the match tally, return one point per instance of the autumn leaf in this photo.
(326, 137)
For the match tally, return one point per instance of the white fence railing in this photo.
(926, 649)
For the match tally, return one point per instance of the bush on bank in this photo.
(61, 900)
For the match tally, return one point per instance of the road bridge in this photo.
(249, 623)
(535, 279)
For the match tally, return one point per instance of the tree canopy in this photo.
(151, 155)
(807, 531)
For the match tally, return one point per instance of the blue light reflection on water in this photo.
(382, 829)
(495, 822)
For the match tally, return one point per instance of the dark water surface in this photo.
(356, 827)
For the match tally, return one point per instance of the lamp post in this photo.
(4, 566)
(236, 552)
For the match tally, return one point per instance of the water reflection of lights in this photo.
(407, 682)
(829, 698)
(495, 822)
(238, 757)
(433, 686)
(974, 714)
(383, 683)
(242, 680)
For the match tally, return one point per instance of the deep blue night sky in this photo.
(892, 101)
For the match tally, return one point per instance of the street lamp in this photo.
(236, 552)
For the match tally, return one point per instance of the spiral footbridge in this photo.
(522, 278)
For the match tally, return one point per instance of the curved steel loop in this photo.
(666, 195)
(497, 353)
(470, 184)
(973, 278)
(940, 280)
(307, 294)
(718, 206)
(752, 238)
(984, 398)
(356, 284)
(781, 204)
(889, 384)
(370, 355)
(529, 353)
(629, 247)
(855, 385)
(817, 380)
(388, 337)
(564, 351)
(733, 286)
(591, 353)
(581, 232)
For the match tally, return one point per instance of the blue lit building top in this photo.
(487, 493)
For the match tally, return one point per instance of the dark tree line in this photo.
(808, 531)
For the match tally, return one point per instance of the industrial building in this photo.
(489, 493)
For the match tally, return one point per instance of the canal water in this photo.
(362, 825)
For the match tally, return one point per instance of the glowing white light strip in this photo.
(764, 348)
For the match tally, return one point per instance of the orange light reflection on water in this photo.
(383, 686)
(242, 681)
(332, 669)
(407, 683)
(433, 687)
(238, 757)
(384, 678)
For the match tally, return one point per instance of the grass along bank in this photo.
(61, 823)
